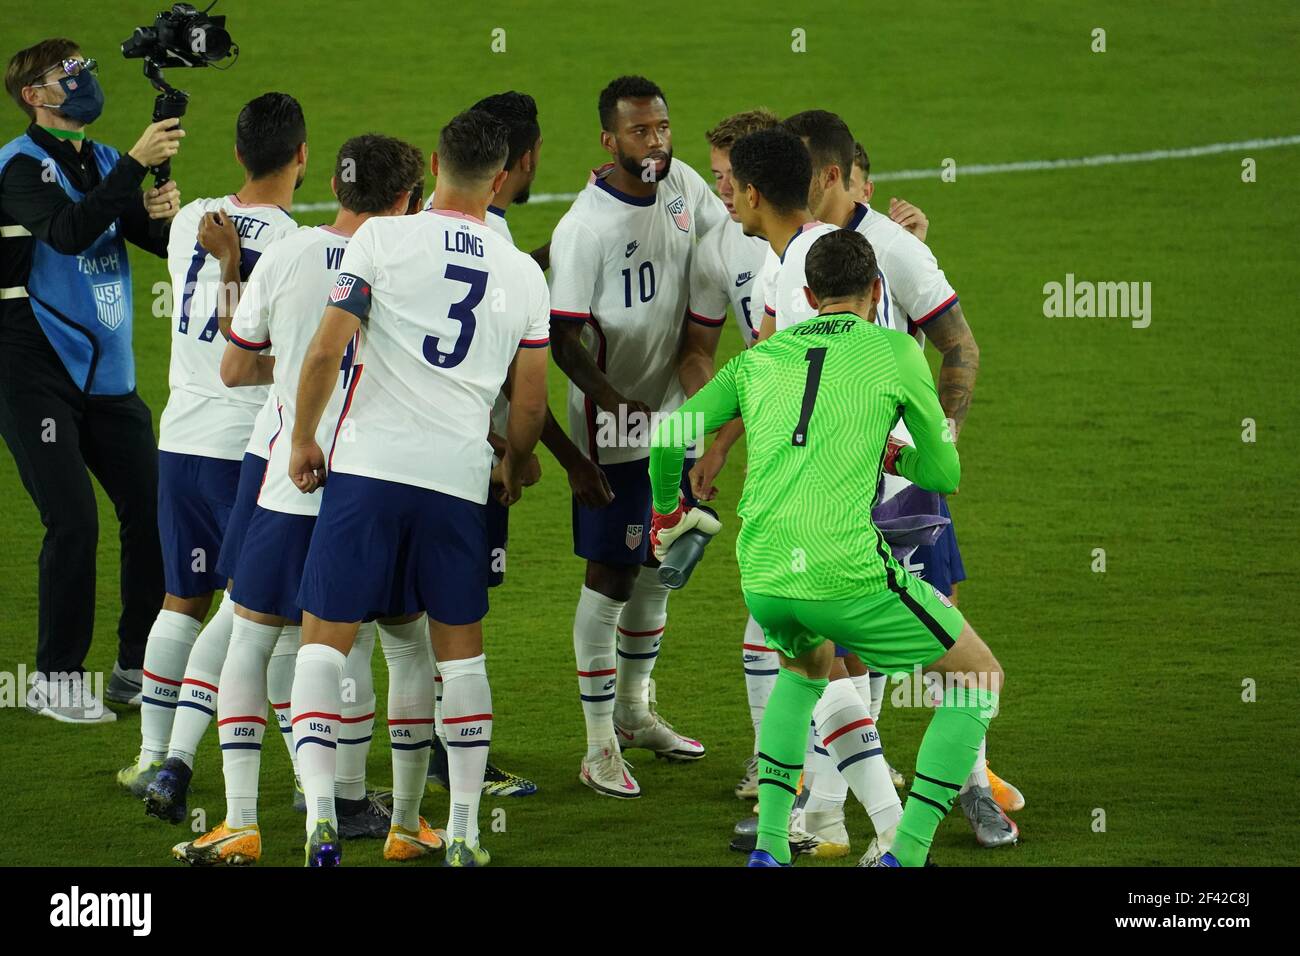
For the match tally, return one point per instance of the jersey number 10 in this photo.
(645, 279)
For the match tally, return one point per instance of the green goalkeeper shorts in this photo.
(908, 624)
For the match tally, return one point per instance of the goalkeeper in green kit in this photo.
(818, 400)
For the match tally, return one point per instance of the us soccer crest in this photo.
(635, 532)
(342, 288)
(681, 215)
(110, 304)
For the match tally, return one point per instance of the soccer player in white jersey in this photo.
(276, 317)
(446, 308)
(771, 172)
(620, 271)
(205, 430)
(922, 302)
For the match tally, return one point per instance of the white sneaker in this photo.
(828, 826)
(655, 733)
(608, 774)
(802, 842)
(747, 789)
(68, 699)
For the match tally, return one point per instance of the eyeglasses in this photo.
(68, 67)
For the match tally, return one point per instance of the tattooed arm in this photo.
(950, 334)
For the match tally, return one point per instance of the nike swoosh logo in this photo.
(743, 278)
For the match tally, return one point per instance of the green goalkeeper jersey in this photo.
(818, 400)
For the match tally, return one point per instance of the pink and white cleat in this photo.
(655, 733)
(608, 774)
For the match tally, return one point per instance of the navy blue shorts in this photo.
(268, 573)
(195, 498)
(251, 473)
(619, 533)
(939, 564)
(383, 549)
(498, 528)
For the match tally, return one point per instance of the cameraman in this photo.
(67, 373)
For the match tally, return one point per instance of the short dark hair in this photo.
(23, 67)
(519, 112)
(474, 145)
(860, 158)
(625, 88)
(268, 133)
(829, 139)
(725, 134)
(373, 170)
(840, 264)
(775, 163)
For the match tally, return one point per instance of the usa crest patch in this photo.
(635, 532)
(681, 215)
(342, 288)
(110, 304)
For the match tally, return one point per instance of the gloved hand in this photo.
(665, 529)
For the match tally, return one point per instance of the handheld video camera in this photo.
(180, 37)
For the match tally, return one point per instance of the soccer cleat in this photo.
(134, 780)
(222, 846)
(323, 846)
(763, 858)
(1007, 796)
(828, 827)
(364, 818)
(895, 777)
(608, 774)
(802, 843)
(67, 699)
(992, 827)
(873, 856)
(459, 853)
(299, 796)
(124, 686)
(747, 789)
(403, 844)
(165, 797)
(496, 782)
(658, 735)
(888, 861)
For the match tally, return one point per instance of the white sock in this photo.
(170, 640)
(593, 646)
(850, 736)
(762, 664)
(809, 762)
(410, 715)
(979, 775)
(197, 703)
(279, 685)
(241, 715)
(467, 702)
(640, 630)
(878, 682)
(828, 788)
(437, 686)
(357, 721)
(317, 699)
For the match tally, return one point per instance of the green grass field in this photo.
(1124, 688)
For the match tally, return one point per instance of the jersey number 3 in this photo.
(462, 312)
(815, 358)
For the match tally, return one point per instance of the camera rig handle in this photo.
(170, 102)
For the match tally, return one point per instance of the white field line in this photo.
(985, 169)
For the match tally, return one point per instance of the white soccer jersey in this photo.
(724, 272)
(450, 303)
(496, 219)
(620, 264)
(918, 289)
(203, 416)
(280, 311)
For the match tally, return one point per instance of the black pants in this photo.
(59, 437)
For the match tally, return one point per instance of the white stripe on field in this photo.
(984, 169)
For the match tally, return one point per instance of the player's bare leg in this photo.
(317, 705)
(467, 717)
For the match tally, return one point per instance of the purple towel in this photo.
(910, 520)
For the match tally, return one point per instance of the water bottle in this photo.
(684, 555)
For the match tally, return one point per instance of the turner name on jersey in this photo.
(203, 416)
(445, 302)
(620, 265)
(279, 312)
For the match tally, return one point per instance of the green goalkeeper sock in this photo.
(945, 759)
(783, 737)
